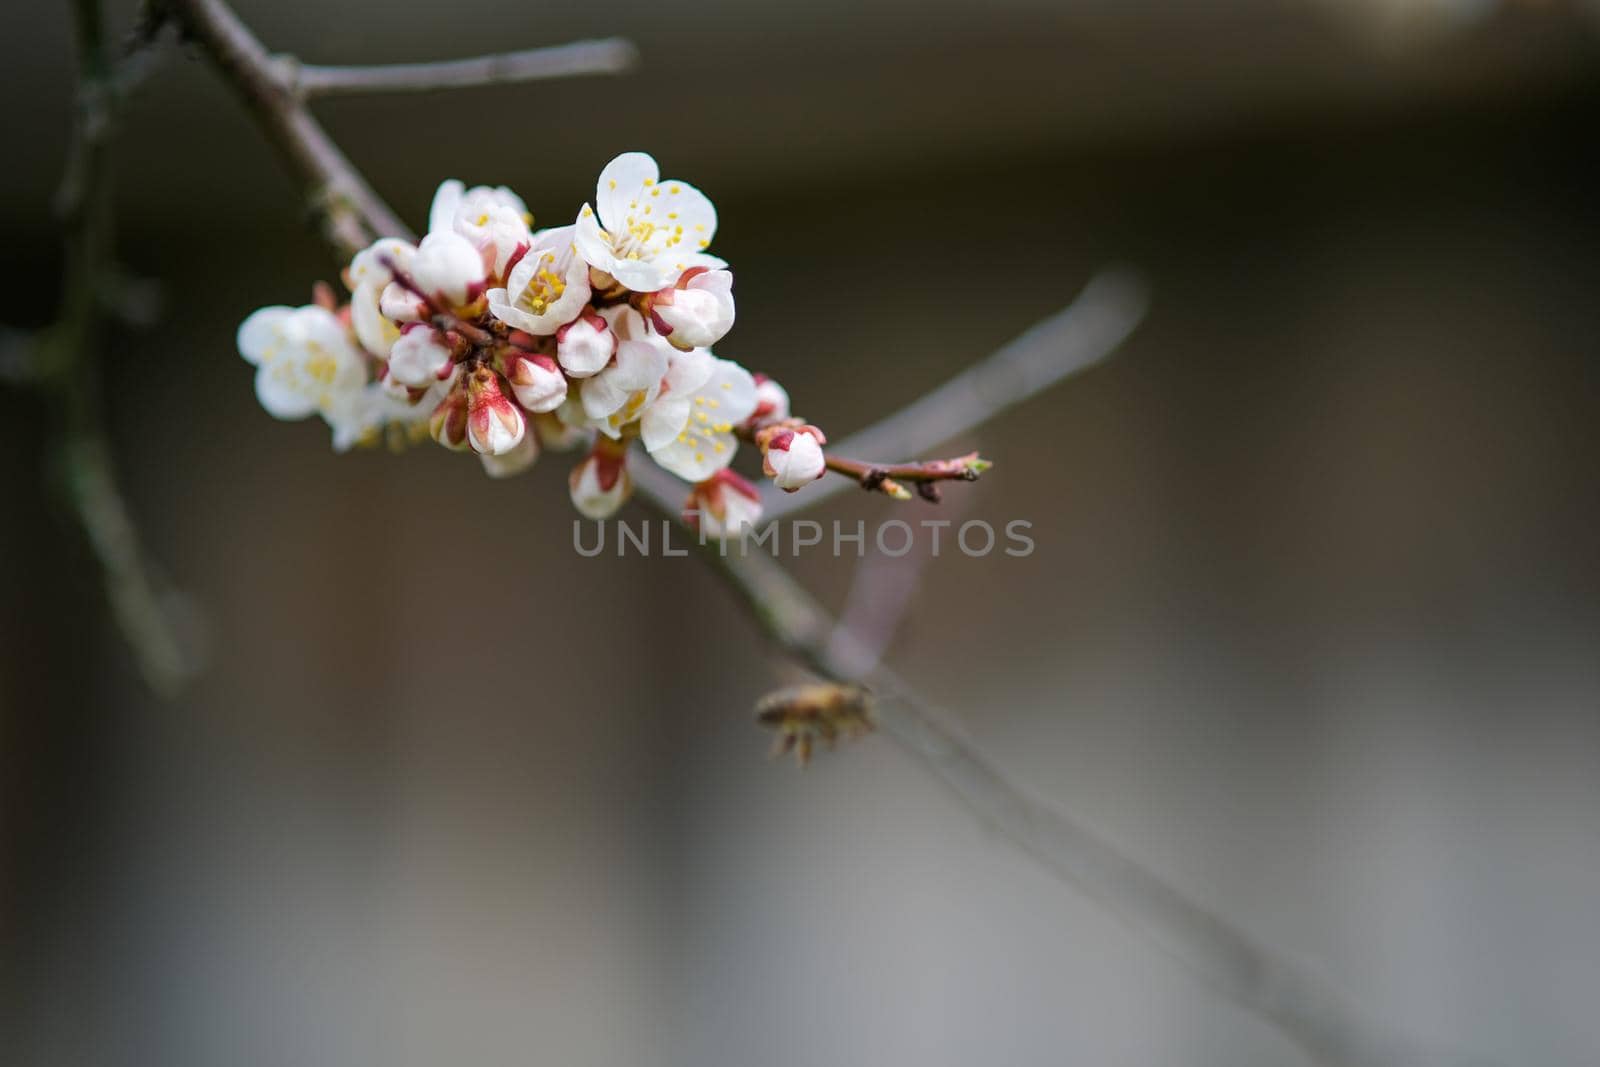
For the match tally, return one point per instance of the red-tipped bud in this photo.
(538, 382)
(494, 424)
(600, 484)
(722, 506)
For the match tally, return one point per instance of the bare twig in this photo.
(1305, 1009)
(1079, 336)
(610, 55)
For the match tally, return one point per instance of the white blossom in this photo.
(642, 231)
(698, 311)
(547, 288)
(689, 428)
(305, 360)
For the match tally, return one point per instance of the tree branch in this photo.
(1228, 960)
(610, 55)
(1080, 335)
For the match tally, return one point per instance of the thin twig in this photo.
(610, 55)
(1080, 335)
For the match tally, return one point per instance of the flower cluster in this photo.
(494, 337)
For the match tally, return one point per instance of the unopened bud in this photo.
(448, 423)
(698, 311)
(585, 345)
(772, 402)
(494, 424)
(538, 382)
(723, 506)
(420, 357)
(400, 304)
(793, 457)
(449, 267)
(600, 484)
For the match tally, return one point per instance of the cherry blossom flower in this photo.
(697, 312)
(494, 220)
(600, 485)
(305, 360)
(642, 231)
(793, 457)
(689, 428)
(723, 506)
(547, 287)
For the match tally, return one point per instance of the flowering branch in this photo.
(632, 288)
(610, 55)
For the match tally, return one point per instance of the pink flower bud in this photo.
(772, 403)
(722, 506)
(448, 423)
(585, 345)
(600, 484)
(538, 382)
(494, 424)
(793, 458)
(420, 357)
(696, 312)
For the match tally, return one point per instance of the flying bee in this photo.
(803, 714)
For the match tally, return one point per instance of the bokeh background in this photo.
(1311, 628)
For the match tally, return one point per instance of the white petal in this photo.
(260, 335)
(442, 215)
(664, 421)
(280, 392)
(734, 390)
(592, 244)
(375, 332)
(624, 181)
(696, 459)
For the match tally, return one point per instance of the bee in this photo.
(803, 714)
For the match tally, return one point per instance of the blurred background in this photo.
(1311, 627)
